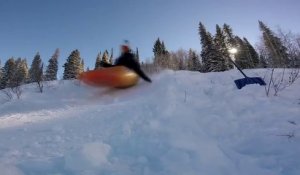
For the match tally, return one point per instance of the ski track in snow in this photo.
(183, 123)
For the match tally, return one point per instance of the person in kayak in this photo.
(127, 59)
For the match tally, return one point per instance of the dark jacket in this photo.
(127, 60)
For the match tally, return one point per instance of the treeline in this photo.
(276, 50)
(16, 72)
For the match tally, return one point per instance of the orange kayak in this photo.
(117, 77)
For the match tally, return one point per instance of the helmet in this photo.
(125, 46)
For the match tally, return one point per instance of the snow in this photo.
(183, 123)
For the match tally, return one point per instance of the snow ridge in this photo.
(183, 123)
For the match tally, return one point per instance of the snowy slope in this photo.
(184, 123)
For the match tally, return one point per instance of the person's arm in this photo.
(143, 75)
(128, 61)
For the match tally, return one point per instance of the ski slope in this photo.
(184, 123)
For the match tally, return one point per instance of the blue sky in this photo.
(29, 26)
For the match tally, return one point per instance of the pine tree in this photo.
(229, 37)
(8, 73)
(52, 68)
(242, 58)
(166, 62)
(25, 70)
(36, 69)
(157, 49)
(98, 61)
(137, 56)
(1, 73)
(111, 56)
(163, 48)
(229, 41)
(274, 46)
(211, 57)
(21, 73)
(81, 66)
(18, 76)
(111, 61)
(220, 44)
(161, 54)
(193, 61)
(72, 66)
(39, 78)
(252, 53)
(105, 57)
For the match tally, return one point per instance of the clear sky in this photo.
(29, 26)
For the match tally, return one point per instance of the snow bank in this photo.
(183, 123)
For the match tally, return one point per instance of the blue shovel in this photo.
(240, 83)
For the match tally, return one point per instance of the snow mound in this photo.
(183, 123)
